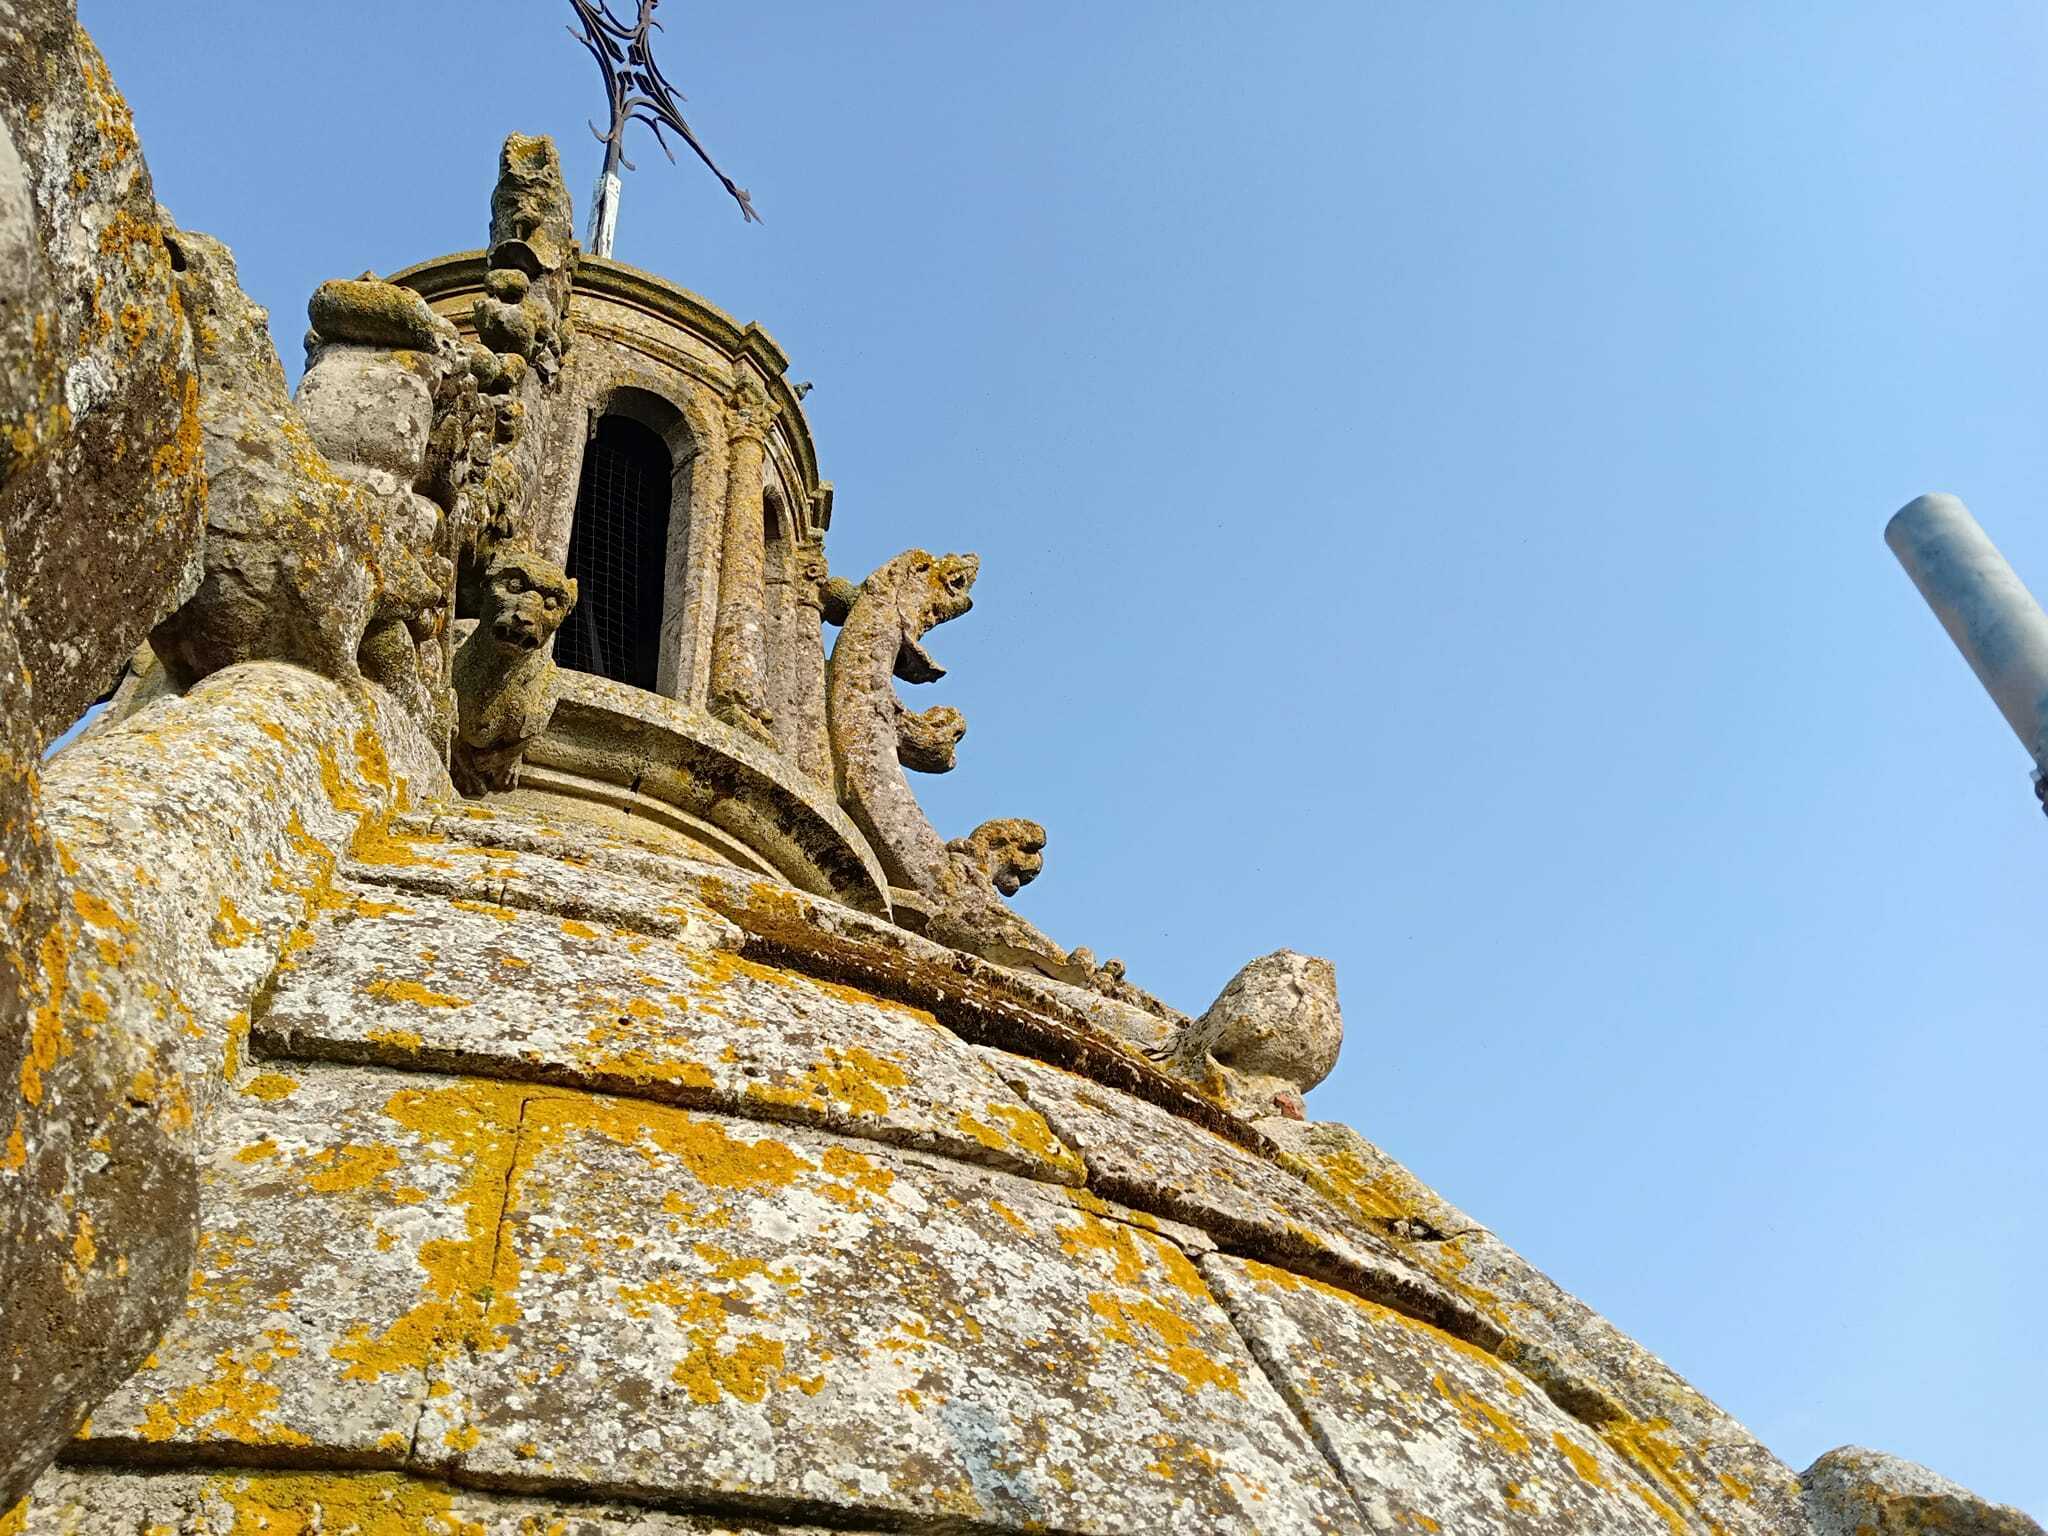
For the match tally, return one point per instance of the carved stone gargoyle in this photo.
(874, 738)
(506, 683)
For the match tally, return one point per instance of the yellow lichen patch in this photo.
(270, 1087)
(234, 1403)
(15, 1521)
(1482, 1418)
(1163, 1337)
(473, 1126)
(853, 1078)
(746, 1371)
(391, 989)
(230, 929)
(46, 1039)
(732, 1268)
(715, 1159)
(486, 908)
(375, 843)
(860, 1180)
(398, 1039)
(100, 913)
(338, 1170)
(1113, 1240)
(1583, 1461)
(338, 1504)
(1008, 1215)
(579, 930)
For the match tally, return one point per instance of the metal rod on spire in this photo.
(635, 91)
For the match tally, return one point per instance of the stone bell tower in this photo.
(668, 1131)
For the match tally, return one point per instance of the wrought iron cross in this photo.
(639, 93)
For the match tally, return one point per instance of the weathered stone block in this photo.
(1138, 1153)
(344, 1252)
(696, 1307)
(476, 987)
(93, 1501)
(567, 888)
(102, 493)
(1853, 1491)
(1430, 1433)
(1672, 1434)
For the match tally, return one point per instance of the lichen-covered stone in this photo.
(1853, 1491)
(344, 1254)
(1138, 1153)
(102, 490)
(1428, 1432)
(187, 843)
(405, 859)
(472, 986)
(97, 1501)
(699, 1307)
(1693, 1451)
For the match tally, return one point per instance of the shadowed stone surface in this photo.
(471, 986)
(1430, 1433)
(1853, 1491)
(702, 1307)
(94, 1501)
(102, 493)
(344, 1251)
(1145, 1157)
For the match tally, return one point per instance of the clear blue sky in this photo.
(1428, 465)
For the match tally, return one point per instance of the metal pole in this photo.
(604, 206)
(1986, 609)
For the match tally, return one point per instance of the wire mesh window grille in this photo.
(618, 553)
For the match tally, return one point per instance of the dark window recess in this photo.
(618, 552)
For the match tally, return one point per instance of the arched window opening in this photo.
(618, 553)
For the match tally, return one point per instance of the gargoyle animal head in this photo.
(1009, 850)
(934, 589)
(525, 599)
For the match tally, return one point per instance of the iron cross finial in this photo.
(638, 92)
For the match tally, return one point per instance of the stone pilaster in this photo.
(800, 667)
(739, 693)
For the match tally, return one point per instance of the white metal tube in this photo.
(1989, 614)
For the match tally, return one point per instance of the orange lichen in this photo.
(271, 1086)
(234, 1403)
(360, 1504)
(1164, 1337)
(471, 1125)
(391, 989)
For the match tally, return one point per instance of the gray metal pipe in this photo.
(1987, 611)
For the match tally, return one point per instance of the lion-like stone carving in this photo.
(506, 685)
(1009, 850)
(926, 740)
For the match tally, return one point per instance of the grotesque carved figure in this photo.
(927, 739)
(291, 564)
(506, 685)
(885, 625)
(1009, 851)
(1271, 1035)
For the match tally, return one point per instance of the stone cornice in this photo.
(452, 276)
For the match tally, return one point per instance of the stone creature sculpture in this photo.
(376, 361)
(1010, 851)
(871, 744)
(524, 332)
(291, 564)
(506, 684)
(1272, 1034)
